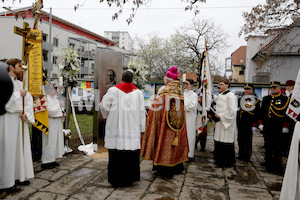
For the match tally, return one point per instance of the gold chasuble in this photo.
(165, 138)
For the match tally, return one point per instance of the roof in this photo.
(193, 76)
(275, 38)
(63, 24)
(239, 56)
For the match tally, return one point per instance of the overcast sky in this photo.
(160, 16)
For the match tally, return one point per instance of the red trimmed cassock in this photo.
(124, 110)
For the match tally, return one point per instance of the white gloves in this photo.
(254, 128)
(261, 127)
(285, 130)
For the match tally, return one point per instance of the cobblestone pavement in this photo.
(81, 177)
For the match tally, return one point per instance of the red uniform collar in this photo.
(126, 87)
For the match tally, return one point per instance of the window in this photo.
(93, 65)
(55, 42)
(54, 75)
(82, 49)
(44, 38)
(241, 72)
(45, 55)
(54, 60)
(72, 45)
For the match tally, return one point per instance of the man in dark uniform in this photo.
(247, 118)
(273, 117)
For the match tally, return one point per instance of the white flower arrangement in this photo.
(68, 64)
(140, 70)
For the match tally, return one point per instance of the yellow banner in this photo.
(35, 64)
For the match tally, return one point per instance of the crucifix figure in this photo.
(27, 45)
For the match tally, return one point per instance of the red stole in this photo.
(126, 87)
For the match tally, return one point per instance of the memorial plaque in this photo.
(108, 73)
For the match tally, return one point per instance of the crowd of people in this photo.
(166, 134)
(16, 165)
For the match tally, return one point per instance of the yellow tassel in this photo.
(175, 141)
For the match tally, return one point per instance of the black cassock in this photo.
(247, 117)
(123, 167)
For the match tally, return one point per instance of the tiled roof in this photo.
(239, 55)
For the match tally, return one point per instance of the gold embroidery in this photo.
(175, 118)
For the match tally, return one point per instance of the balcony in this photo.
(87, 54)
(46, 45)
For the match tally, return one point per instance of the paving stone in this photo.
(248, 193)
(23, 194)
(52, 174)
(146, 165)
(158, 197)
(207, 181)
(102, 179)
(92, 191)
(273, 182)
(70, 183)
(47, 196)
(198, 193)
(135, 192)
(100, 164)
(170, 187)
(147, 175)
(243, 175)
(37, 183)
(208, 168)
(74, 161)
(276, 195)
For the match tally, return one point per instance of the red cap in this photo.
(172, 73)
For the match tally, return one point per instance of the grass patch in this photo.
(85, 123)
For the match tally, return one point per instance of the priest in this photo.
(165, 138)
(15, 151)
(124, 110)
(225, 129)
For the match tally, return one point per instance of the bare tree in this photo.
(161, 53)
(273, 14)
(192, 6)
(194, 36)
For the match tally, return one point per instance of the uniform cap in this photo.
(275, 84)
(249, 86)
(290, 83)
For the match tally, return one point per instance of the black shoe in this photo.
(191, 159)
(212, 151)
(22, 183)
(202, 150)
(47, 166)
(55, 164)
(12, 189)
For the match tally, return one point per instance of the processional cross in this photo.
(27, 46)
